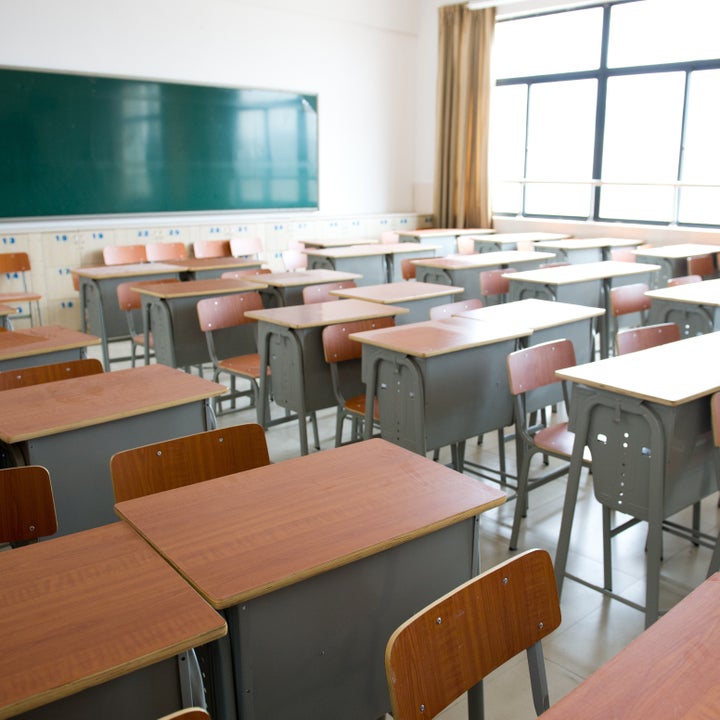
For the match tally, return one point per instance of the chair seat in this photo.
(356, 405)
(19, 297)
(559, 440)
(245, 365)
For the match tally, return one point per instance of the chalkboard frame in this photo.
(79, 145)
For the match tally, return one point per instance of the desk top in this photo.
(439, 337)
(666, 673)
(582, 272)
(587, 243)
(398, 292)
(105, 272)
(273, 526)
(369, 250)
(445, 232)
(533, 313)
(83, 609)
(480, 260)
(527, 237)
(680, 250)
(645, 374)
(50, 408)
(42, 339)
(338, 242)
(8, 310)
(197, 288)
(297, 278)
(324, 313)
(706, 292)
(219, 263)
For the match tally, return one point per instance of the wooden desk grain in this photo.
(84, 609)
(43, 339)
(41, 410)
(484, 260)
(306, 277)
(396, 292)
(667, 673)
(105, 272)
(282, 523)
(584, 272)
(202, 288)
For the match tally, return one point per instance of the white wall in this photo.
(359, 57)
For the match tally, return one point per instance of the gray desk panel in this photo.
(692, 318)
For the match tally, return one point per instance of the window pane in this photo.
(507, 147)
(561, 135)
(643, 122)
(561, 42)
(701, 159)
(662, 31)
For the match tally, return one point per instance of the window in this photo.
(597, 115)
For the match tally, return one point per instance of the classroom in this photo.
(375, 214)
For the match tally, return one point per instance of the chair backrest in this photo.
(124, 254)
(389, 237)
(640, 338)
(715, 415)
(448, 647)
(449, 309)
(251, 247)
(492, 282)
(225, 311)
(408, 268)
(27, 508)
(238, 274)
(186, 460)
(322, 292)
(294, 259)
(625, 299)
(623, 254)
(684, 280)
(130, 300)
(14, 262)
(465, 245)
(192, 713)
(211, 248)
(39, 374)
(703, 265)
(163, 252)
(337, 345)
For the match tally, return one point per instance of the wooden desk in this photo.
(695, 307)
(286, 288)
(170, 312)
(374, 263)
(548, 321)
(464, 270)
(668, 672)
(207, 268)
(74, 426)
(673, 258)
(439, 382)
(649, 434)
(42, 345)
(315, 561)
(92, 625)
(582, 250)
(99, 307)
(446, 238)
(583, 284)
(290, 343)
(513, 241)
(416, 297)
(338, 242)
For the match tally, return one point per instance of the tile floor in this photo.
(594, 628)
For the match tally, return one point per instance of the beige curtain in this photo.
(462, 197)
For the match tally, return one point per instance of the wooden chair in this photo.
(389, 237)
(703, 265)
(493, 286)
(322, 292)
(232, 343)
(211, 248)
(534, 386)
(344, 357)
(294, 259)
(248, 247)
(447, 648)
(124, 254)
(27, 507)
(634, 339)
(441, 312)
(407, 268)
(193, 713)
(684, 280)
(186, 460)
(629, 300)
(15, 266)
(39, 374)
(623, 254)
(130, 303)
(166, 252)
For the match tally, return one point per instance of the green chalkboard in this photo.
(79, 145)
